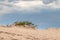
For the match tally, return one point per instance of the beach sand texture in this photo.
(20, 33)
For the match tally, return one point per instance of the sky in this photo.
(43, 13)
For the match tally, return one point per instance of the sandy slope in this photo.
(17, 33)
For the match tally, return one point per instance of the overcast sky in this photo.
(44, 13)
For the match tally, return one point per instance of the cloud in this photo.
(27, 5)
(17, 0)
(51, 1)
(8, 6)
(4, 9)
(1, 0)
(47, 1)
(24, 6)
(56, 2)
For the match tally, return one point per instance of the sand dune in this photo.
(19, 33)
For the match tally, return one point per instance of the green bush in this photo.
(17, 23)
(23, 23)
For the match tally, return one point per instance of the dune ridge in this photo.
(21, 33)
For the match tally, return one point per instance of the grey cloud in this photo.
(27, 0)
(57, 2)
(6, 5)
(18, 0)
(8, 0)
(12, 0)
(51, 1)
(47, 1)
(2, 0)
(30, 0)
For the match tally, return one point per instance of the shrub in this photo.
(24, 23)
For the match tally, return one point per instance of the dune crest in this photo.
(21, 33)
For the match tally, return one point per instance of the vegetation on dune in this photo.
(23, 23)
(30, 24)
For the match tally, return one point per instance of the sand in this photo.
(20, 33)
